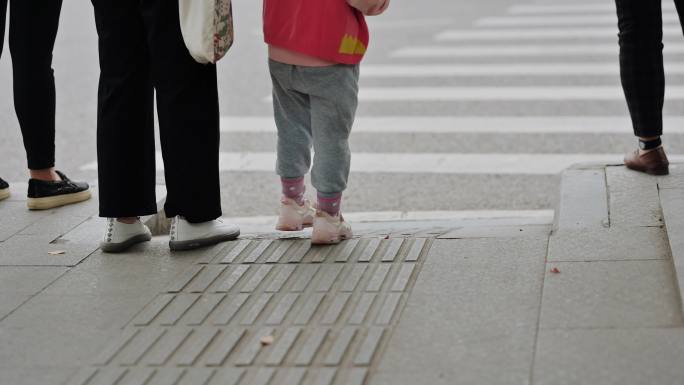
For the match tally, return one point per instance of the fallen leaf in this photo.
(387, 237)
(266, 340)
(57, 252)
(555, 270)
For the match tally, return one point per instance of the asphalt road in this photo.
(428, 60)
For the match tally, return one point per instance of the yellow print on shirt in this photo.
(352, 46)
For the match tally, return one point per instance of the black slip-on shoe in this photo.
(43, 195)
(4, 190)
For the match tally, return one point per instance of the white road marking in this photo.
(566, 20)
(389, 24)
(608, 6)
(470, 125)
(506, 69)
(548, 93)
(540, 33)
(382, 23)
(542, 50)
(427, 163)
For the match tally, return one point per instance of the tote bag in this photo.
(207, 27)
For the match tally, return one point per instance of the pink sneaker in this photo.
(329, 230)
(294, 217)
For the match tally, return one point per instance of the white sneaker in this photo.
(120, 236)
(187, 236)
(293, 217)
(329, 230)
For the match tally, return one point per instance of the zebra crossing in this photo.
(607, 50)
(552, 55)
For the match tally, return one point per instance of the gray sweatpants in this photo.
(315, 106)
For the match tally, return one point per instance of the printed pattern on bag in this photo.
(224, 35)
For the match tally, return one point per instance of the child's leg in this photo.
(334, 97)
(293, 119)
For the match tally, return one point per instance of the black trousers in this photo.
(142, 51)
(641, 62)
(32, 32)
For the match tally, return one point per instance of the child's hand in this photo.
(370, 7)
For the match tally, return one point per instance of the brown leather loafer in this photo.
(653, 162)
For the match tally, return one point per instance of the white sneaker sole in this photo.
(202, 242)
(57, 201)
(292, 226)
(4, 193)
(109, 247)
(328, 237)
(325, 239)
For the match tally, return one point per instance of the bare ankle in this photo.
(47, 174)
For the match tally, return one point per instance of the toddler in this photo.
(315, 47)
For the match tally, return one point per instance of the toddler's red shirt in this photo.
(327, 29)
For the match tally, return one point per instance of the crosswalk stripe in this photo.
(549, 93)
(550, 21)
(499, 94)
(541, 50)
(540, 33)
(426, 163)
(608, 6)
(506, 69)
(388, 24)
(468, 125)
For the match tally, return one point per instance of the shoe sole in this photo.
(652, 171)
(125, 245)
(57, 201)
(658, 171)
(316, 239)
(4, 193)
(198, 243)
(327, 241)
(281, 227)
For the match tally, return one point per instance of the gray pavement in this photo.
(451, 278)
(469, 301)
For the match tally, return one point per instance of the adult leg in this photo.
(641, 63)
(3, 17)
(125, 120)
(4, 187)
(187, 105)
(643, 80)
(32, 32)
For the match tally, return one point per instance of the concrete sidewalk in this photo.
(590, 299)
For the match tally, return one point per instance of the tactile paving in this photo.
(272, 312)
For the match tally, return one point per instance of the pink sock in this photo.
(330, 203)
(294, 188)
